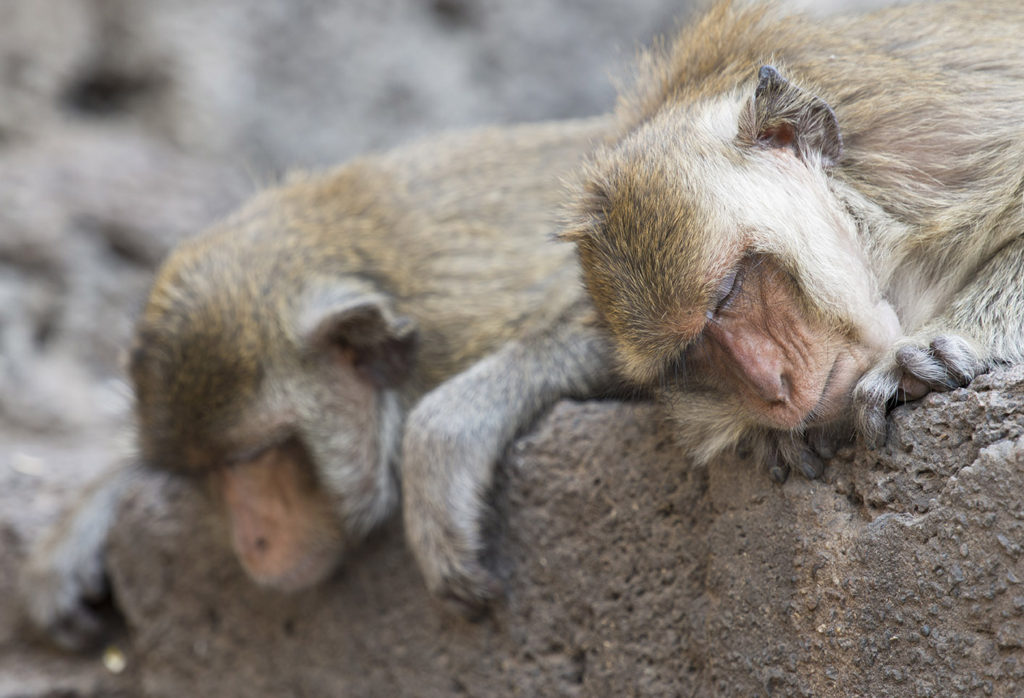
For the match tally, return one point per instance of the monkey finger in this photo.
(870, 420)
(821, 443)
(958, 357)
(777, 462)
(911, 388)
(779, 472)
(873, 427)
(810, 464)
(874, 392)
(765, 449)
(470, 593)
(919, 363)
(796, 454)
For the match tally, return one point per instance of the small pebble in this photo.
(114, 660)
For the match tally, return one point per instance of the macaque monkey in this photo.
(279, 353)
(803, 222)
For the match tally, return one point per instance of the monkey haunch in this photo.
(803, 222)
(279, 352)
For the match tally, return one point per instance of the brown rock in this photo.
(631, 572)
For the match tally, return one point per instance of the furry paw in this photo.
(783, 452)
(66, 594)
(909, 373)
(449, 558)
(446, 465)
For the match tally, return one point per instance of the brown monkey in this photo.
(804, 221)
(279, 352)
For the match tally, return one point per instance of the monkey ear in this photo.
(383, 343)
(782, 115)
(590, 213)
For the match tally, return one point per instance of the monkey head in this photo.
(276, 387)
(726, 269)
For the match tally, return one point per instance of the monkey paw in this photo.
(447, 543)
(450, 562)
(783, 452)
(66, 593)
(448, 456)
(466, 588)
(909, 373)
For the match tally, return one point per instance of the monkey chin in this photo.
(295, 572)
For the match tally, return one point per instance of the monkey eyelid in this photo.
(727, 289)
(250, 454)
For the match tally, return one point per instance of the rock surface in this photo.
(631, 572)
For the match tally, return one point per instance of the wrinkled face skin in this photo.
(280, 521)
(730, 277)
(760, 345)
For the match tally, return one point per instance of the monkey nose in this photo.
(773, 388)
(768, 382)
(756, 361)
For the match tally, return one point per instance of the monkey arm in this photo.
(458, 431)
(982, 327)
(64, 581)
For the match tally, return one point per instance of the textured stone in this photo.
(631, 572)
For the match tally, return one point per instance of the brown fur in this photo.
(278, 353)
(882, 172)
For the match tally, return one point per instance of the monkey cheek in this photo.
(785, 416)
(817, 395)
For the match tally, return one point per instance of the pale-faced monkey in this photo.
(279, 352)
(806, 221)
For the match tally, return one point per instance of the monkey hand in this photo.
(447, 459)
(63, 587)
(782, 452)
(910, 370)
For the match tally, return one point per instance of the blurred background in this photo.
(128, 124)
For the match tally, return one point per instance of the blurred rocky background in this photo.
(128, 124)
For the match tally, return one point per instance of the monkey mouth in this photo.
(836, 391)
(810, 407)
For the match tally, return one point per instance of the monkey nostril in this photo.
(785, 389)
(261, 544)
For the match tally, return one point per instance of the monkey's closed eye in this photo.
(727, 290)
(284, 440)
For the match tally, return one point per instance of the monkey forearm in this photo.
(982, 326)
(989, 312)
(456, 433)
(66, 571)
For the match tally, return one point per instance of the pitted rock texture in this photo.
(630, 571)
